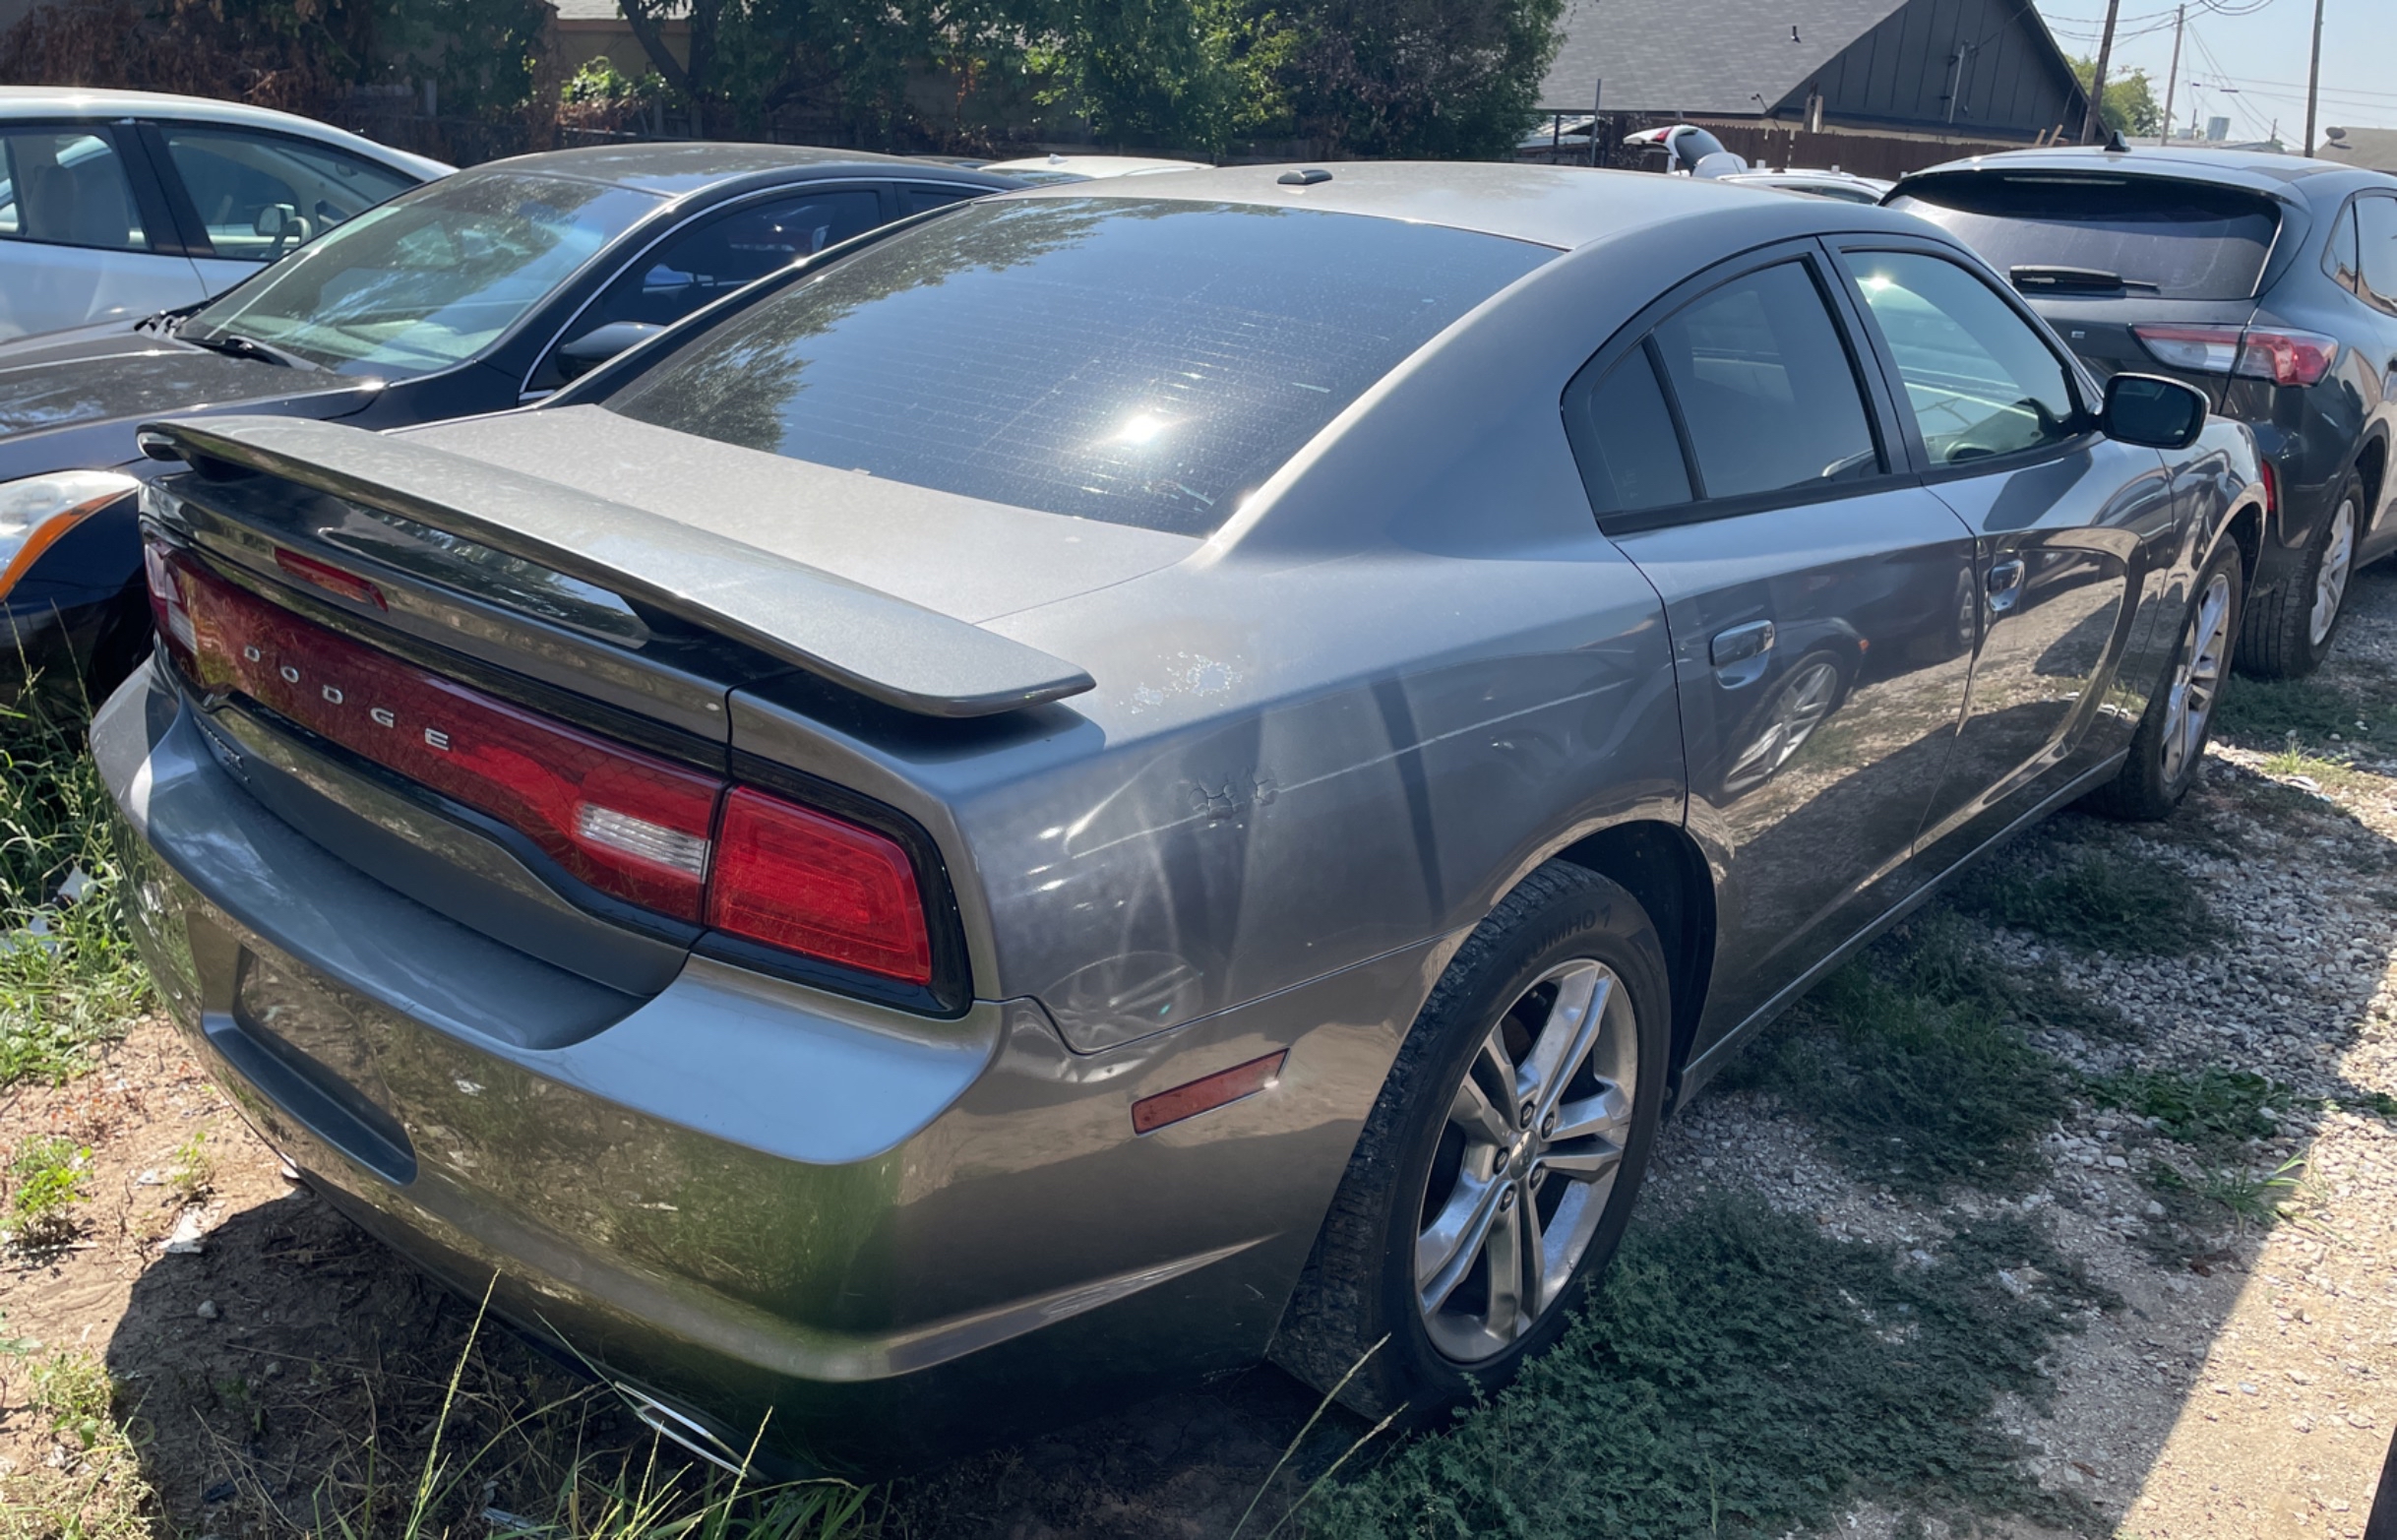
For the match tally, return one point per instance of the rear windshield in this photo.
(2172, 240)
(1139, 361)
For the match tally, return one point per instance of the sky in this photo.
(2259, 46)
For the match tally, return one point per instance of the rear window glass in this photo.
(2172, 240)
(1139, 361)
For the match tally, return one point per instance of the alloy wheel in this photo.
(2197, 680)
(2330, 579)
(1533, 1142)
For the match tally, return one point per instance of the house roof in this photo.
(2374, 147)
(1699, 56)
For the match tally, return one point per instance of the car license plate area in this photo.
(295, 1044)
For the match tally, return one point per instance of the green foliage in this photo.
(73, 1392)
(69, 977)
(1423, 80)
(480, 54)
(2213, 1109)
(1738, 1373)
(1169, 74)
(599, 81)
(2130, 107)
(2262, 713)
(1912, 1066)
(191, 1175)
(2111, 901)
(47, 1179)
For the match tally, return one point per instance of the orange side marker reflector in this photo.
(1151, 1113)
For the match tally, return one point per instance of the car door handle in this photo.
(2006, 583)
(1741, 642)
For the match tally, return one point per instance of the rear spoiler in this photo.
(886, 649)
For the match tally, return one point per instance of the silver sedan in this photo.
(1135, 777)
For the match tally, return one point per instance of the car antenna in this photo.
(2116, 144)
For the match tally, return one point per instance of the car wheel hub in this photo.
(2330, 579)
(1526, 1161)
(2198, 678)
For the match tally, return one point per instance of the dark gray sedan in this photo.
(1144, 776)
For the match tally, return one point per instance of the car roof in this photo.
(20, 103)
(674, 167)
(1552, 205)
(2254, 170)
(1095, 165)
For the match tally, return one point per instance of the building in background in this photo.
(2376, 148)
(1980, 70)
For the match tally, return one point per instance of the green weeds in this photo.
(69, 977)
(190, 1174)
(1738, 1373)
(2262, 713)
(2111, 901)
(48, 1178)
(1913, 1068)
(2212, 1110)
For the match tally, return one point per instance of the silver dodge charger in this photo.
(1137, 776)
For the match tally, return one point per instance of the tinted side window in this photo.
(719, 254)
(2377, 236)
(1978, 380)
(66, 188)
(235, 178)
(915, 200)
(1765, 387)
(1629, 451)
(2339, 255)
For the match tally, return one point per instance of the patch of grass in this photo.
(92, 1488)
(2253, 1200)
(1910, 1066)
(2111, 901)
(73, 1392)
(2212, 1110)
(1937, 958)
(191, 1175)
(2329, 774)
(48, 1176)
(2261, 714)
(69, 977)
(1739, 1374)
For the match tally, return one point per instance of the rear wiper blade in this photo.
(240, 347)
(2075, 281)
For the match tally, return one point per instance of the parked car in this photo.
(1143, 775)
(2269, 282)
(1032, 169)
(478, 292)
(1845, 186)
(121, 202)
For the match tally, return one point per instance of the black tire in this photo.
(1358, 1286)
(2276, 641)
(2151, 782)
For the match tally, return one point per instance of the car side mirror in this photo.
(2151, 410)
(272, 220)
(601, 344)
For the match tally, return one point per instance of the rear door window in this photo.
(1765, 388)
(2339, 255)
(65, 187)
(1142, 361)
(2376, 259)
(2105, 235)
(1629, 451)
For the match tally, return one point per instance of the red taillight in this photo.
(326, 575)
(2284, 357)
(631, 824)
(2272, 486)
(2287, 358)
(793, 878)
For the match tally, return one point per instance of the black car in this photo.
(2269, 282)
(475, 294)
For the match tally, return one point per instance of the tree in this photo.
(2130, 107)
(1419, 79)
(1180, 74)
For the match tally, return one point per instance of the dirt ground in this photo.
(2247, 1385)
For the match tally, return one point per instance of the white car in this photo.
(1084, 169)
(119, 204)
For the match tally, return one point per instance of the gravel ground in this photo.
(2244, 1388)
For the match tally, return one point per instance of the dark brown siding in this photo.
(2011, 85)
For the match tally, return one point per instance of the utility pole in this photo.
(2314, 76)
(2093, 127)
(2172, 77)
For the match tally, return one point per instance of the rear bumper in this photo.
(884, 1237)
